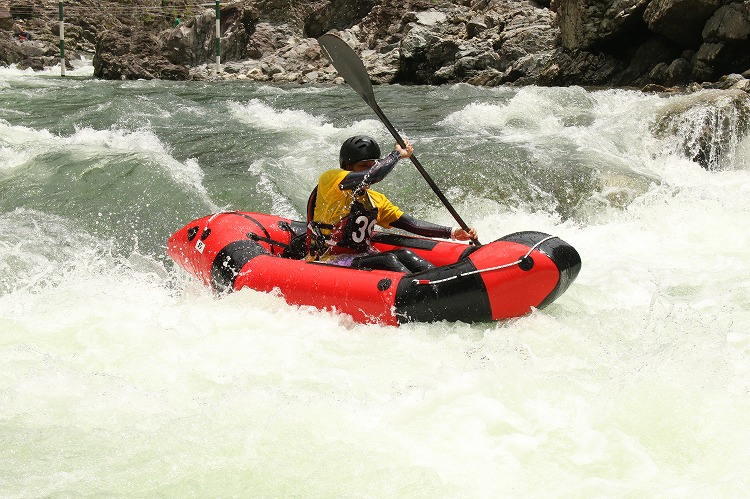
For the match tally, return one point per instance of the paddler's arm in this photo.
(379, 170)
(427, 229)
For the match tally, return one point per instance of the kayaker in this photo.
(342, 212)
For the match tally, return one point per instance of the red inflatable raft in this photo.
(502, 279)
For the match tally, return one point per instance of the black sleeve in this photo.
(422, 228)
(375, 174)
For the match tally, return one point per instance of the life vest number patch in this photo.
(200, 246)
(364, 230)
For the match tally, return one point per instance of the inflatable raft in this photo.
(499, 280)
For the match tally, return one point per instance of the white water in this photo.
(121, 377)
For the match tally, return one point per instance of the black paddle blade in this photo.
(349, 66)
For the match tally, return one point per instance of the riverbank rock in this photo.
(623, 43)
(132, 55)
(664, 42)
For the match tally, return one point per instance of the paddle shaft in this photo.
(423, 172)
(353, 70)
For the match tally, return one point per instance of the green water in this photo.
(123, 377)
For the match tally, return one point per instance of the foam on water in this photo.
(123, 375)
(304, 145)
(146, 143)
(262, 116)
(635, 382)
(81, 68)
(20, 145)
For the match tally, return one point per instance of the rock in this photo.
(423, 52)
(482, 42)
(706, 122)
(742, 85)
(729, 23)
(678, 72)
(527, 43)
(266, 39)
(179, 46)
(579, 68)
(727, 37)
(681, 21)
(6, 18)
(587, 23)
(704, 61)
(474, 27)
(133, 55)
(653, 52)
(22, 9)
(336, 15)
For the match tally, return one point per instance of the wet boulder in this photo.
(711, 123)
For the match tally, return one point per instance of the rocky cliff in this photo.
(625, 43)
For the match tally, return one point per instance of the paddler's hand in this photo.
(405, 153)
(461, 235)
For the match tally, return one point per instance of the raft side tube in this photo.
(365, 295)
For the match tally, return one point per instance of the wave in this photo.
(82, 68)
(116, 183)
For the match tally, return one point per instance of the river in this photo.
(121, 376)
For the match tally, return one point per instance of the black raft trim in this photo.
(463, 299)
(229, 262)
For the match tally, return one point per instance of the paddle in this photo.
(352, 69)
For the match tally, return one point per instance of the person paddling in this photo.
(342, 212)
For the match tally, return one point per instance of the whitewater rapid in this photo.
(122, 376)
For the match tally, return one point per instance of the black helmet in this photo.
(358, 148)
